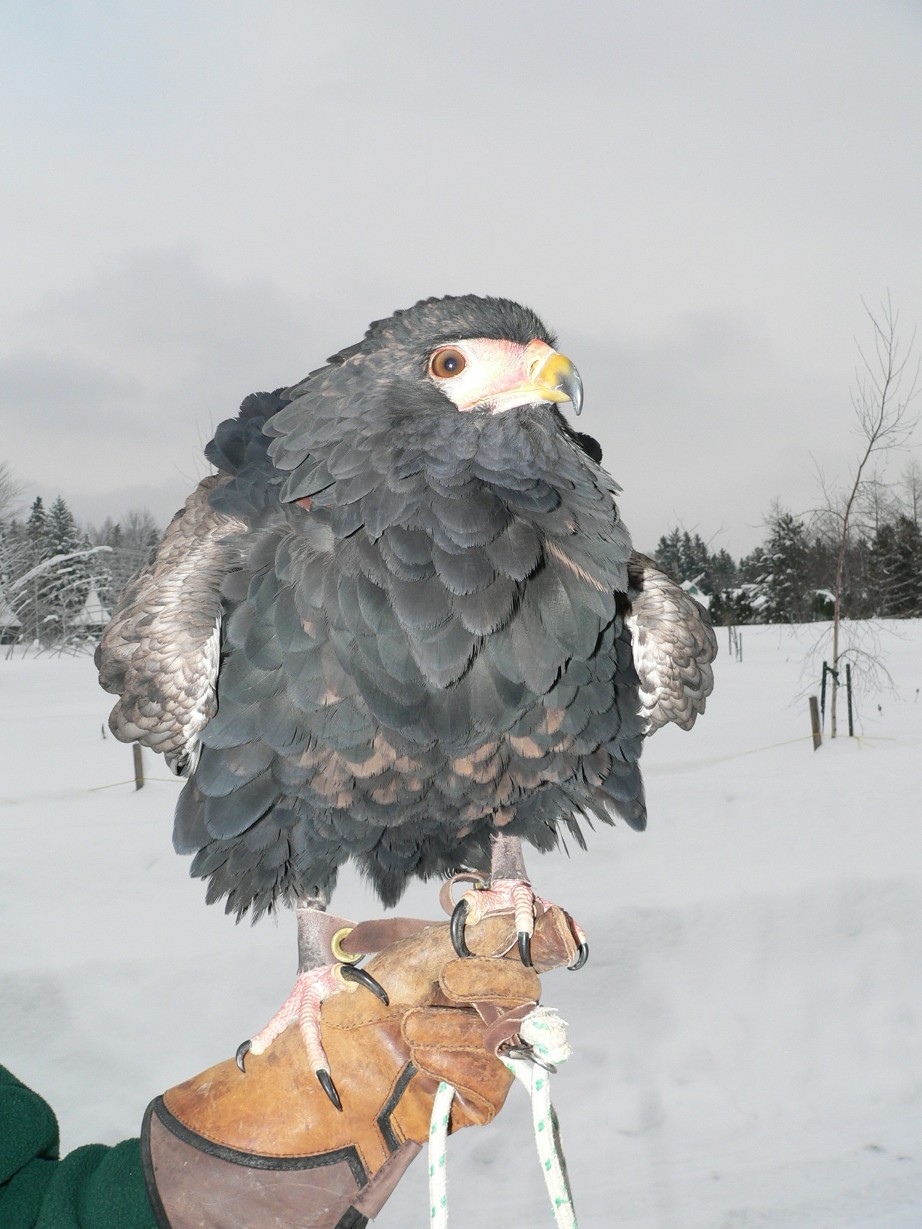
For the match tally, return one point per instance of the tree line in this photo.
(59, 581)
(790, 577)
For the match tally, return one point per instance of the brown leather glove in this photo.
(268, 1149)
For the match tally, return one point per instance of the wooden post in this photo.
(735, 642)
(815, 723)
(138, 767)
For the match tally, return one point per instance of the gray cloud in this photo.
(50, 390)
(204, 202)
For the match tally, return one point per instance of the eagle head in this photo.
(428, 382)
(482, 354)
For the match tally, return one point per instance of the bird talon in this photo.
(326, 1083)
(242, 1051)
(524, 940)
(582, 956)
(361, 977)
(458, 920)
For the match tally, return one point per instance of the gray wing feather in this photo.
(673, 645)
(161, 651)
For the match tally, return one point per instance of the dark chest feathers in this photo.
(409, 663)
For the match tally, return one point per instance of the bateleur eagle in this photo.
(402, 624)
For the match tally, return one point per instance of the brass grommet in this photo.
(336, 946)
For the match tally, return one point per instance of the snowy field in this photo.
(747, 1035)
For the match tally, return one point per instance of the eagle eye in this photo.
(447, 362)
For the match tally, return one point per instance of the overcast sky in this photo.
(201, 199)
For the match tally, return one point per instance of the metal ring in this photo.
(527, 1053)
(336, 946)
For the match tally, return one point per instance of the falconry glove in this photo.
(267, 1147)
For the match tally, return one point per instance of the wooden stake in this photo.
(815, 723)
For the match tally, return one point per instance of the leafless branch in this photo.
(886, 385)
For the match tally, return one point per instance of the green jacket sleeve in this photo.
(94, 1187)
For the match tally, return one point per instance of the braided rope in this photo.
(438, 1156)
(546, 1034)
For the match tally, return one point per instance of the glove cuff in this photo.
(194, 1181)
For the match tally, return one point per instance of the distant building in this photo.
(92, 616)
(10, 625)
(691, 588)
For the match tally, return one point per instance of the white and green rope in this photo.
(438, 1156)
(545, 1033)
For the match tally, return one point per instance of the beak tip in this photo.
(576, 394)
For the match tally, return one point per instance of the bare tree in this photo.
(912, 487)
(133, 541)
(886, 384)
(876, 505)
(10, 492)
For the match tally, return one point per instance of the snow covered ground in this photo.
(747, 1034)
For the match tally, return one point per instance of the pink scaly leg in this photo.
(320, 974)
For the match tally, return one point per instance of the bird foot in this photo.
(303, 1005)
(504, 896)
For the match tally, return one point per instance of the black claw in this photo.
(363, 978)
(458, 919)
(242, 1051)
(525, 948)
(329, 1087)
(581, 957)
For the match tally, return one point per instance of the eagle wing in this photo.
(161, 651)
(673, 645)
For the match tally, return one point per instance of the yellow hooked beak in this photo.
(552, 376)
